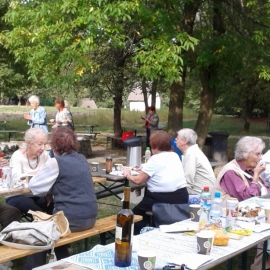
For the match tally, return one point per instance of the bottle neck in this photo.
(125, 204)
(126, 198)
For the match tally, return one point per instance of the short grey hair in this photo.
(246, 145)
(189, 135)
(34, 99)
(31, 134)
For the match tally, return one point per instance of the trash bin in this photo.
(208, 147)
(219, 146)
(134, 151)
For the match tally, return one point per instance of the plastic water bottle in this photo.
(205, 202)
(147, 154)
(216, 213)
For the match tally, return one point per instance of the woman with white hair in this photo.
(37, 116)
(29, 160)
(240, 178)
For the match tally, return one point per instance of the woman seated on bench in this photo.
(68, 179)
(164, 176)
(29, 160)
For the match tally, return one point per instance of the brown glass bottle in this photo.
(124, 233)
(108, 164)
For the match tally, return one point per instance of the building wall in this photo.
(139, 105)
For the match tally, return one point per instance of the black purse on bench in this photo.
(165, 213)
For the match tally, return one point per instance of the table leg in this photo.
(244, 257)
(264, 254)
(229, 264)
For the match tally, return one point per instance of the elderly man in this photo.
(197, 168)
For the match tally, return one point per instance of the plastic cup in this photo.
(205, 240)
(94, 166)
(118, 166)
(194, 210)
(146, 259)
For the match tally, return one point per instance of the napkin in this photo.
(191, 260)
(178, 227)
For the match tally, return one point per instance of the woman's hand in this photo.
(260, 167)
(27, 117)
(126, 171)
(51, 120)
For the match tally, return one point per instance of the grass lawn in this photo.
(102, 119)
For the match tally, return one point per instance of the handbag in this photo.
(30, 235)
(61, 222)
(165, 213)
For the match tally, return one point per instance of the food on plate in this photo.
(239, 230)
(221, 238)
(249, 211)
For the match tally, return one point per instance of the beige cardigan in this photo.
(231, 166)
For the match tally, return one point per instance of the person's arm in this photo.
(68, 116)
(233, 185)
(15, 164)
(190, 167)
(42, 182)
(40, 117)
(154, 120)
(137, 179)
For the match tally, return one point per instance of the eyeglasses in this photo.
(257, 154)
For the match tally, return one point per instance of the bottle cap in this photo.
(206, 188)
(147, 148)
(217, 194)
(108, 158)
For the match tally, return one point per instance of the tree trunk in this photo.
(144, 91)
(118, 102)
(207, 102)
(118, 89)
(176, 104)
(154, 92)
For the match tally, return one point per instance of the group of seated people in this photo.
(60, 183)
(64, 182)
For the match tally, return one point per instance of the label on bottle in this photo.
(118, 232)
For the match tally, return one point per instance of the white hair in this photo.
(31, 134)
(34, 99)
(246, 145)
(189, 135)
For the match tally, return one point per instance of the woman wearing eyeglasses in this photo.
(28, 160)
(240, 178)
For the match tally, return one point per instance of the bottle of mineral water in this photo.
(205, 202)
(216, 209)
(147, 154)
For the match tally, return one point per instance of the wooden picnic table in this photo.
(19, 191)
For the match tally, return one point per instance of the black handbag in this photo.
(165, 213)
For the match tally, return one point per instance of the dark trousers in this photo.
(24, 204)
(147, 137)
(177, 197)
(61, 252)
(8, 214)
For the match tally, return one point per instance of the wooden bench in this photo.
(90, 136)
(102, 226)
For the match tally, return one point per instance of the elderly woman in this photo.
(68, 178)
(63, 116)
(240, 178)
(151, 123)
(37, 116)
(163, 175)
(28, 160)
